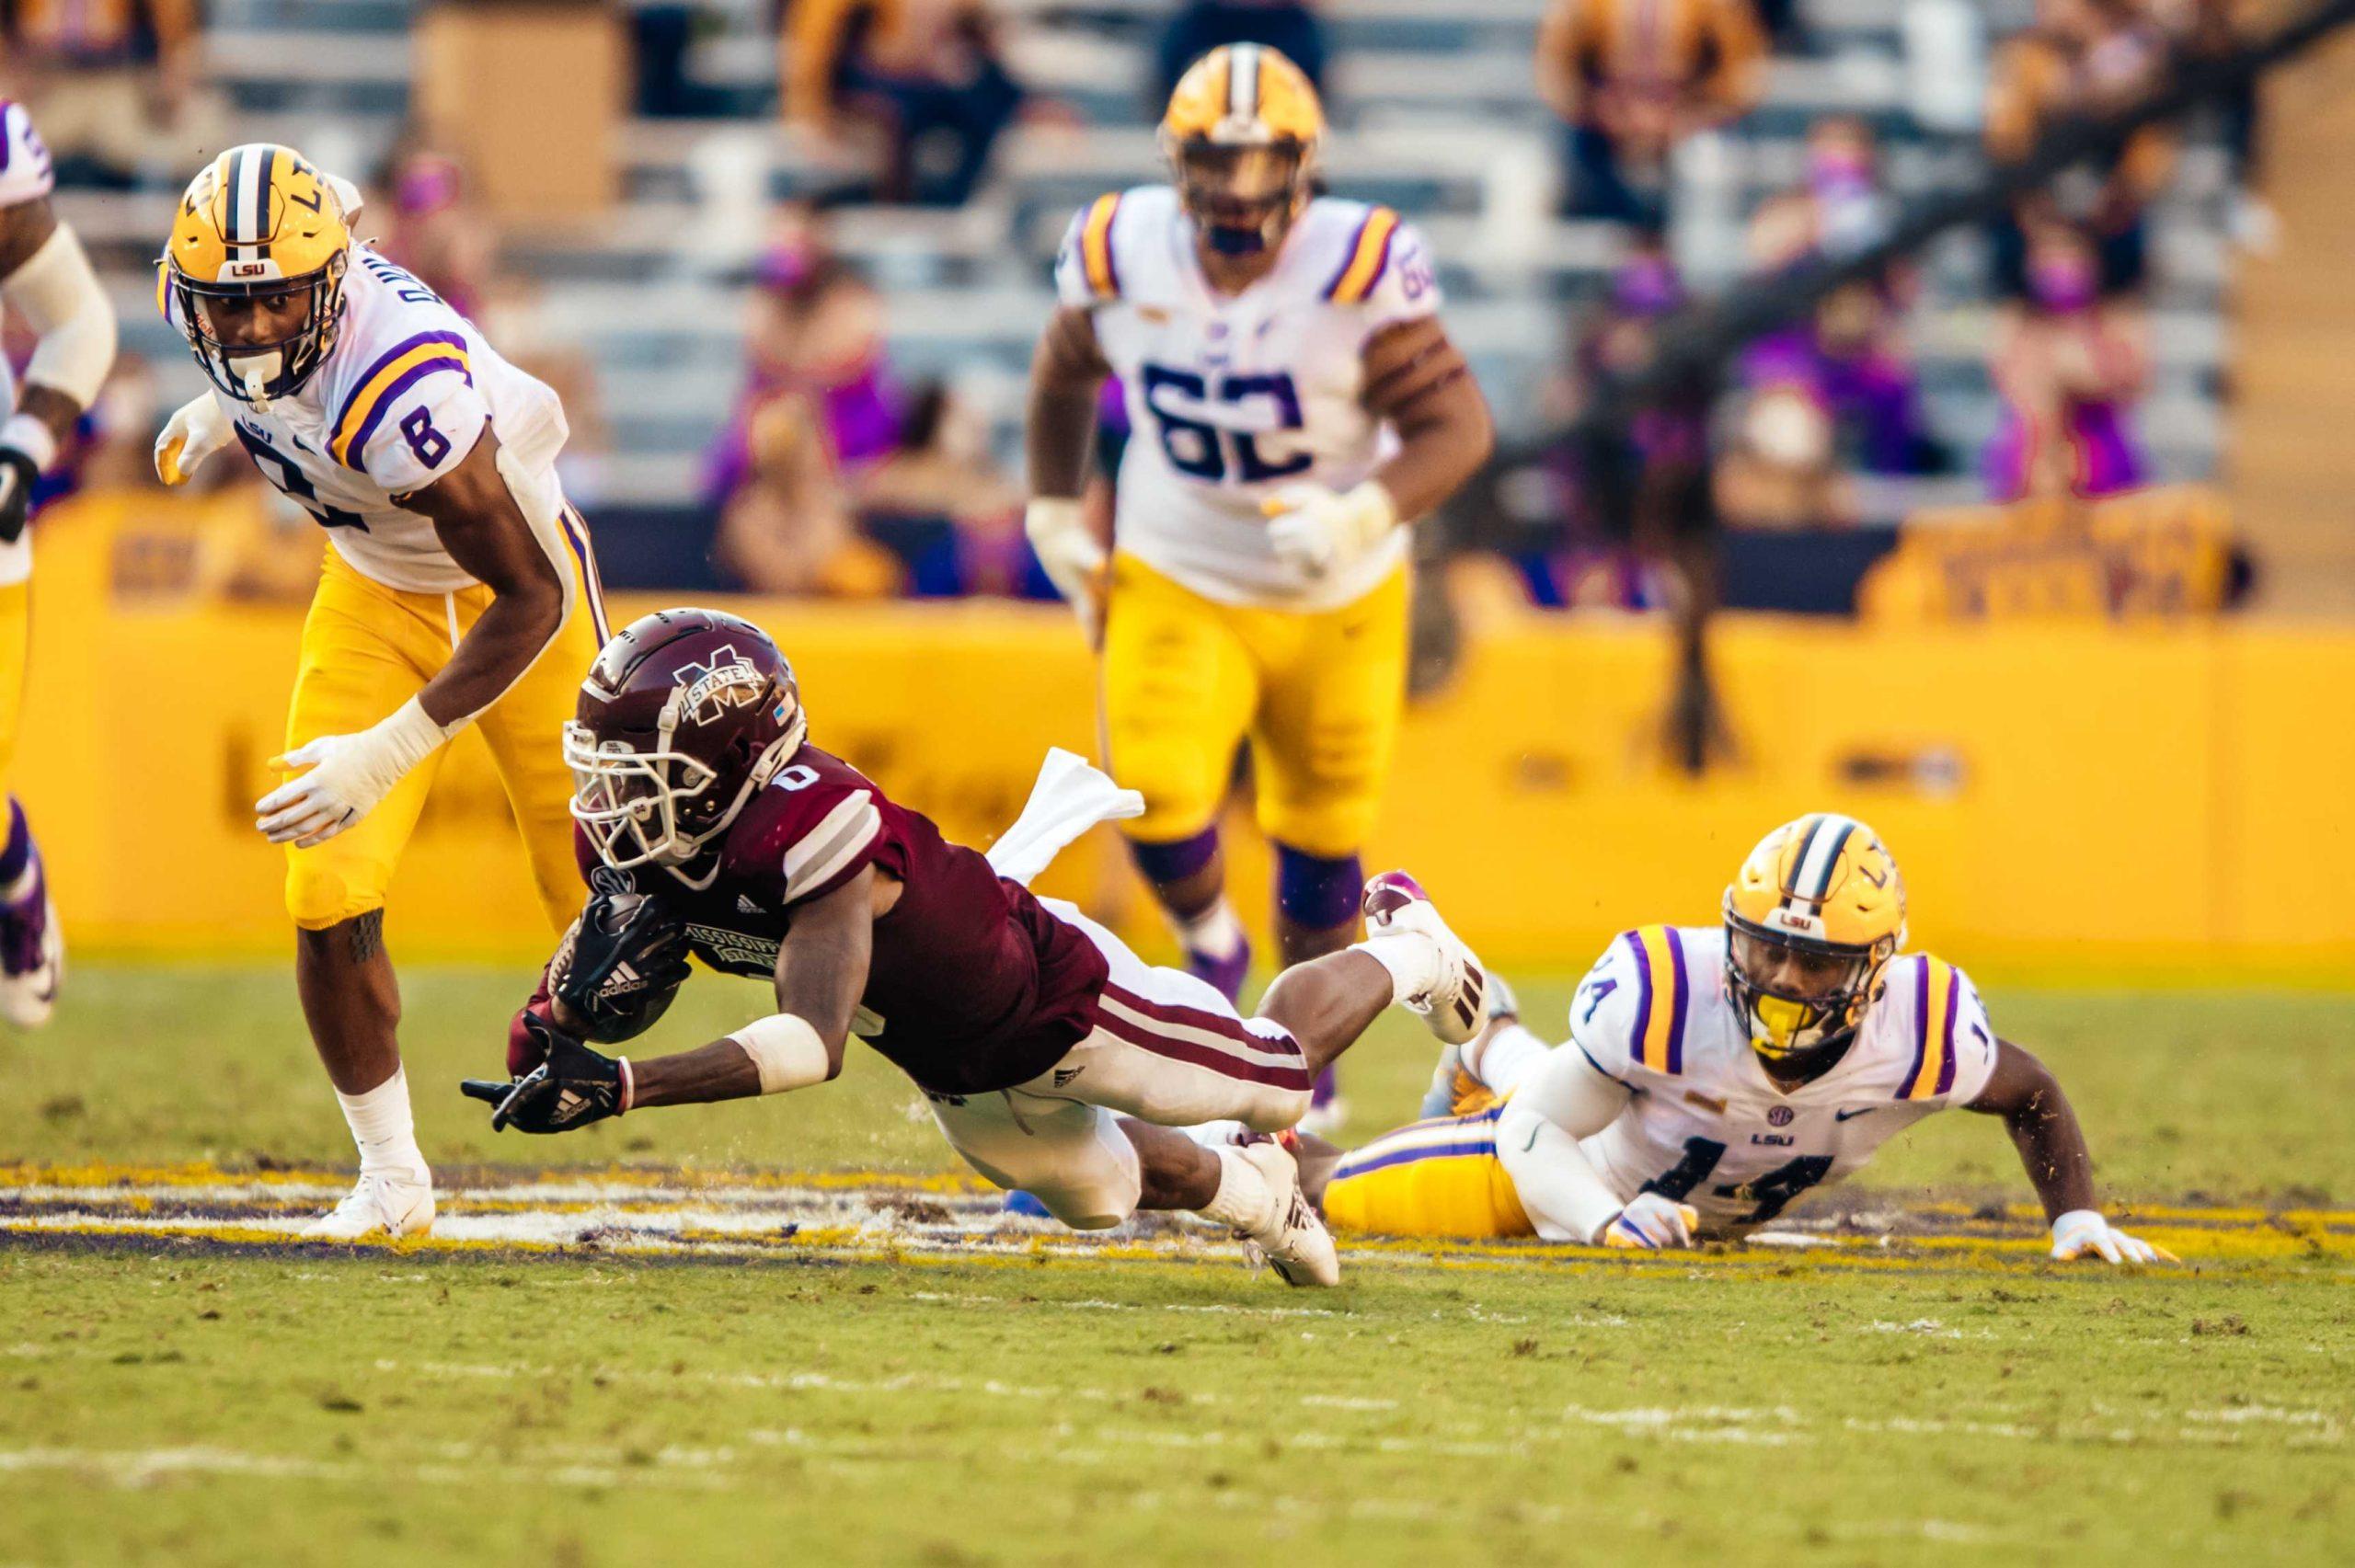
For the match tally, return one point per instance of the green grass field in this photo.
(166, 1398)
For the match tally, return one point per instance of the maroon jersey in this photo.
(973, 985)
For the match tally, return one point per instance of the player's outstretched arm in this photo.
(1066, 373)
(820, 973)
(2044, 1129)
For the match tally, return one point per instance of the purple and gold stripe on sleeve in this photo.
(396, 371)
(1369, 254)
(1937, 996)
(1663, 992)
(1096, 248)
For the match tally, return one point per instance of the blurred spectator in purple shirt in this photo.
(2071, 365)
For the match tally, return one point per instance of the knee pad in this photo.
(1166, 863)
(1317, 892)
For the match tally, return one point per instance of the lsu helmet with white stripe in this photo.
(685, 716)
(258, 231)
(1812, 919)
(1241, 135)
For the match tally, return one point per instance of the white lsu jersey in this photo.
(1231, 399)
(1709, 1128)
(399, 401)
(25, 175)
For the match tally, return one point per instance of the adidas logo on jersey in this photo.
(745, 905)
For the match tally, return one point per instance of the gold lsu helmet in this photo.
(258, 223)
(1811, 919)
(1241, 135)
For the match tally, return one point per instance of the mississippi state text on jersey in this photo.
(973, 986)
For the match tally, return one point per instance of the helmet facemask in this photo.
(258, 373)
(660, 806)
(1243, 197)
(1800, 997)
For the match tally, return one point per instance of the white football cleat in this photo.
(1293, 1238)
(388, 1203)
(32, 966)
(1455, 1006)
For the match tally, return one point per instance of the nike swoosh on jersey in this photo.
(1845, 1116)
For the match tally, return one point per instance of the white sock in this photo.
(1244, 1197)
(1213, 933)
(1412, 958)
(1505, 1057)
(383, 1128)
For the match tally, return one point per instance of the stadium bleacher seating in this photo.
(1461, 145)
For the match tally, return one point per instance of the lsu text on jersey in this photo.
(1210, 635)
(1703, 1124)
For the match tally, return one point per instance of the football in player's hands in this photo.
(620, 965)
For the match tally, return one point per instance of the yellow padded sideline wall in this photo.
(2070, 803)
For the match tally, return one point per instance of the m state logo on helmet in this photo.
(1812, 918)
(685, 715)
(257, 223)
(1241, 135)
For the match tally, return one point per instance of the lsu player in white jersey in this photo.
(457, 589)
(46, 280)
(1714, 1075)
(1294, 401)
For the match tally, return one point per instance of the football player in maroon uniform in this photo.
(1056, 1062)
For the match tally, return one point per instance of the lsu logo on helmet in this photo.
(1241, 134)
(1811, 919)
(258, 226)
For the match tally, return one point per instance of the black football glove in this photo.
(624, 960)
(571, 1087)
(17, 477)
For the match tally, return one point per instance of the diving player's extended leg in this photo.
(1179, 692)
(1168, 1052)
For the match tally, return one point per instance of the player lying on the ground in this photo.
(1712, 1077)
(710, 825)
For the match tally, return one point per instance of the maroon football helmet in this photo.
(685, 715)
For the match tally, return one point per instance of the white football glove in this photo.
(1317, 530)
(1069, 553)
(198, 430)
(348, 775)
(1652, 1222)
(2082, 1231)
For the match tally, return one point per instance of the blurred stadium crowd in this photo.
(793, 348)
